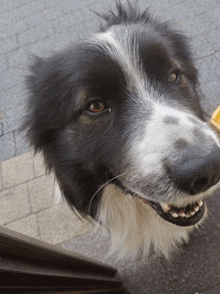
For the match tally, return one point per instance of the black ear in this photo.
(50, 103)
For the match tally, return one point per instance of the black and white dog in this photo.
(118, 119)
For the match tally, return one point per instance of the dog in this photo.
(118, 119)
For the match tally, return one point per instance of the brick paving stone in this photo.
(63, 224)
(32, 35)
(53, 43)
(17, 170)
(8, 5)
(158, 7)
(27, 1)
(19, 58)
(0, 176)
(31, 7)
(11, 78)
(27, 226)
(52, 12)
(67, 20)
(201, 48)
(213, 14)
(69, 6)
(7, 146)
(50, 3)
(20, 12)
(12, 96)
(41, 191)
(209, 69)
(39, 166)
(8, 44)
(11, 28)
(211, 91)
(217, 55)
(35, 19)
(21, 144)
(3, 62)
(12, 118)
(194, 26)
(14, 203)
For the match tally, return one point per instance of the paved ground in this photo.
(28, 202)
(27, 194)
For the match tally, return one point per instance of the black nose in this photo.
(196, 170)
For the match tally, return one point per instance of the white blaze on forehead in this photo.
(119, 48)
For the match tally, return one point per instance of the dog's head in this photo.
(122, 108)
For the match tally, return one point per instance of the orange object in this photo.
(215, 120)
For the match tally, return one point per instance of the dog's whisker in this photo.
(90, 203)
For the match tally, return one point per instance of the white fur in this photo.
(135, 227)
(125, 55)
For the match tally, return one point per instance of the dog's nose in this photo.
(196, 170)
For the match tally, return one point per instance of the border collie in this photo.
(118, 118)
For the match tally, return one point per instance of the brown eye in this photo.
(96, 106)
(172, 77)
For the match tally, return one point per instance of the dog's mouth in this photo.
(180, 216)
(184, 216)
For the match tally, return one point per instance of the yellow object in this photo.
(215, 120)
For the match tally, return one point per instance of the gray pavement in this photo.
(45, 26)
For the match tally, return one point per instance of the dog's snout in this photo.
(196, 170)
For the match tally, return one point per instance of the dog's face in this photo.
(118, 117)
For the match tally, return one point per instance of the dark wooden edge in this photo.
(32, 266)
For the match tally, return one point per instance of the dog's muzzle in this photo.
(194, 171)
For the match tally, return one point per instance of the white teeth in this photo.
(182, 213)
(174, 214)
(188, 215)
(200, 203)
(196, 208)
(165, 206)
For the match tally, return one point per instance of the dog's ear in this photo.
(50, 102)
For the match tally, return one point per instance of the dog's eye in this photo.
(173, 77)
(96, 106)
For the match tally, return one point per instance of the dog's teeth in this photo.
(174, 214)
(165, 207)
(182, 213)
(188, 214)
(200, 203)
(196, 208)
